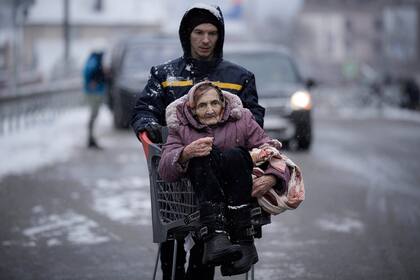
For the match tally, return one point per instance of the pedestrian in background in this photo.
(94, 77)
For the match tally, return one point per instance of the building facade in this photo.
(343, 37)
(92, 24)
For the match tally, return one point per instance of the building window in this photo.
(349, 25)
(2, 57)
(378, 24)
(377, 46)
(349, 44)
(98, 5)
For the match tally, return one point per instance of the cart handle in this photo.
(146, 142)
(144, 138)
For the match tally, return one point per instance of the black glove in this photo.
(154, 132)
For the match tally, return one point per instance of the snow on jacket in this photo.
(237, 127)
(174, 79)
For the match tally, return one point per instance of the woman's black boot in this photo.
(217, 247)
(241, 233)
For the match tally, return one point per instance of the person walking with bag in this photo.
(94, 78)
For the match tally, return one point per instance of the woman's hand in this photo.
(199, 148)
(262, 185)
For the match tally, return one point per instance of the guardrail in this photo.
(38, 104)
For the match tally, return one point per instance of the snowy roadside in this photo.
(48, 143)
(356, 103)
(388, 113)
(122, 200)
(54, 142)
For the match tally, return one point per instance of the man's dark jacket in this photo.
(173, 79)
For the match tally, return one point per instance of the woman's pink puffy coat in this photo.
(236, 128)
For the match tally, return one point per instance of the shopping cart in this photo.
(174, 206)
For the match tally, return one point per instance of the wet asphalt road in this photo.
(89, 217)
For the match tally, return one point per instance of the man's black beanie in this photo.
(200, 16)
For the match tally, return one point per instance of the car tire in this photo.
(304, 144)
(304, 140)
(292, 144)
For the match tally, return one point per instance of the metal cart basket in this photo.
(174, 206)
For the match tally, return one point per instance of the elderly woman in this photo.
(210, 136)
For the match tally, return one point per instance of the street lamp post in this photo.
(66, 33)
(20, 12)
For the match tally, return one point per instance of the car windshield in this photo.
(269, 68)
(140, 58)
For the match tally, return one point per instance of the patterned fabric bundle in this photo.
(272, 201)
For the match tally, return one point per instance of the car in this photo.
(281, 91)
(129, 67)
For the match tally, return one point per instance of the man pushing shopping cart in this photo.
(202, 35)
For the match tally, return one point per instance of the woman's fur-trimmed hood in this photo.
(178, 112)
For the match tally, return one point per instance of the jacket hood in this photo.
(178, 112)
(185, 27)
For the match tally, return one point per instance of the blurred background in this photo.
(368, 47)
(43, 40)
(68, 212)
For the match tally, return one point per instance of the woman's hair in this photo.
(202, 89)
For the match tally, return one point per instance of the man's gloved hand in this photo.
(154, 132)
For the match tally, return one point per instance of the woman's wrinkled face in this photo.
(209, 107)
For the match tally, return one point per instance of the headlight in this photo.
(301, 100)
